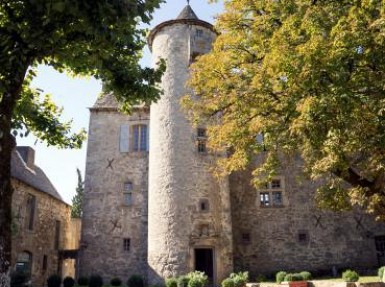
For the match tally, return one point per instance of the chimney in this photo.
(27, 154)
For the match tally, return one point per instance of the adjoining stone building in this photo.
(42, 226)
(151, 206)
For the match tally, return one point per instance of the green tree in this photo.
(94, 38)
(307, 76)
(77, 200)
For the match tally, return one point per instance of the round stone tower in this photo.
(189, 223)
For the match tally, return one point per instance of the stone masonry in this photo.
(152, 207)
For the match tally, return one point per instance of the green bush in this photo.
(197, 279)
(95, 281)
(83, 281)
(171, 282)
(135, 281)
(280, 276)
(240, 279)
(182, 281)
(115, 281)
(54, 281)
(350, 276)
(68, 282)
(381, 272)
(306, 275)
(18, 279)
(260, 278)
(228, 282)
(293, 277)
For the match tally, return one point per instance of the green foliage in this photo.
(18, 279)
(350, 276)
(260, 278)
(197, 279)
(293, 277)
(95, 281)
(83, 281)
(68, 282)
(307, 75)
(240, 279)
(76, 209)
(280, 276)
(228, 282)
(171, 282)
(306, 275)
(54, 281)
(115, 281)
(381, 272)
(182, 281)
(135, 281)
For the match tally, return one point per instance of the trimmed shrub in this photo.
(228, 282)
(260, 278)
(182, 281)
(115, 281)
(197, 279)
(95, 281)
(18, 279)
(135, 281)
(240, 279)
(68, 281)
(83, 281)
(293, 277)
(381, 272)
(280, 276)
(306, 275)
(171, 282)
(54, 281)
(350, 276)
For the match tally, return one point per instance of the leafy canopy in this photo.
(306, 76)
(91, 38)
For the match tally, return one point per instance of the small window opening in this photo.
(303, 237)
(199, 32)
(204, 205)
(276, 184)
(45, 263)
(126, 244)
(202, 138)
(265, 199)
(246, 238)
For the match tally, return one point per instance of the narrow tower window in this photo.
(127, 192)
(126, 244)
(30, 213)
(201, 140)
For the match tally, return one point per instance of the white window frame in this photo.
(270, 191)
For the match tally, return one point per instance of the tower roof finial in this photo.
(188, 2)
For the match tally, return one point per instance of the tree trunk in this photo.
(7, 144)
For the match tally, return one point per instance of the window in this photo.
(303, 236)
(201, 140)
(57, 234)
(139, 138)
(246, 238)
(199, 32)
(272, 194)
(265, 199)
(45, 263)
(204, 205)
(126, 244)
(30, 212)
(128, 187)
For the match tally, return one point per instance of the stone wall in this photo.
(40, 240)
(107, 220)
(341, 239)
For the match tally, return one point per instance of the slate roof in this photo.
(187, 13)
(32, 175)
(106, 101)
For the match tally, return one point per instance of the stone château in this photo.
(152, 207)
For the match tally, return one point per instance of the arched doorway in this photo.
(24, 263)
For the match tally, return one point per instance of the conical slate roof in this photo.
(187, 13)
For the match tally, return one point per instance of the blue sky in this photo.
(76, 95)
